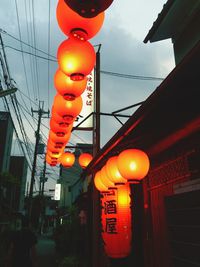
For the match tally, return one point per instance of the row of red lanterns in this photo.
(76, 59)
(131, 165)
(113, 181)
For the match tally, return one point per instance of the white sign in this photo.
(88, 104)
(57, 192)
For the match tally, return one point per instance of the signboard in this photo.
(57, 192)
(88, 104)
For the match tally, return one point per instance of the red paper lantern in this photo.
(74, 25)
(51, 145)
(67, 109)
(133, 164)
(58, 119)
(54, 154)
(113, 172)
(105, 179)
(88, 8)
(76, 59)
(98, 183)
(84, 159)
(58, 139)
(66, 87)
(116, 222)
(67, 159)
(51, 161)
(60, 129)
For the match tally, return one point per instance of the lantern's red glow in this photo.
(113, 171)
(67, 159)
(60, 129)
(67, 88)
(88, 8)
(84, 159)
(73, 24)
(98, 183)
(116, 222)
(105, 179)
(133, 164)
(51, 145)
(58, 139)
(50, 160)
(54, 154)
(67, 109)
(76, 59)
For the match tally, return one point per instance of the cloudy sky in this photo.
(126, 24)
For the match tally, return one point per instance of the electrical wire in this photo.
(27, 44)
(23, 61)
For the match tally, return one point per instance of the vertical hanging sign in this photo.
(57, 192)
(88, 105)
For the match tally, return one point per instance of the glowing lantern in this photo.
(105, 178)
(113, 172)
(133, 164)
(67, 159)
(74, 25)
(84, 159)
(58, 139)
(59, 119)
(116, 222)
(50, 160)
(51, 145)
(76, 59)
(67, 109)
(66, 87)
(60, 129)
(98, 183)
(88, 8)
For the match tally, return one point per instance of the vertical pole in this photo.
(96, 126)
(96, 148)
(40, 113)
(43, 177)
(34, 163)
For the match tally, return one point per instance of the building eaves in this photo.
(157, 23)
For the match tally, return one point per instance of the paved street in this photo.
(46, 252)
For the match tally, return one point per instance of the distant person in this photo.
(22, 252)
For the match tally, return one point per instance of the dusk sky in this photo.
(126, 24)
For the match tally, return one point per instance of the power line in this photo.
(23, 61)
(27, 44)
(116, 74)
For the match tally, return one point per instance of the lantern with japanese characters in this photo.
(66, 87)
(116, 222)
(84, 159)
(76, 59)
(72, 24)
(133, 164)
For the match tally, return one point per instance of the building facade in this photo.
(6, 135)
(166, 204)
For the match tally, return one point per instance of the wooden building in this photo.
(166, 205)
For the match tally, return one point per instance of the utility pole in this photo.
(96, 121)
(43, 178)
(40, 113)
